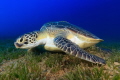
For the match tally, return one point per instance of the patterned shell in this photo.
(67, 26)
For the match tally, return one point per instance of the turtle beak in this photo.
(17, 45)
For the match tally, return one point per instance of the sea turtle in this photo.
(62, 36)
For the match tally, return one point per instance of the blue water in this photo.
(100, 17)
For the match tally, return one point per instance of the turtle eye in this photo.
(21, 39)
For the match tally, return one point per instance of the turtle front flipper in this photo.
(71, 48)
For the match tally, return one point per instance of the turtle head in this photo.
(28, 40)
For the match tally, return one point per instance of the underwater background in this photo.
(100, 17)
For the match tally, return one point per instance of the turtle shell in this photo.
(67, 26)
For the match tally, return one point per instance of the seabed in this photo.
(18, 64)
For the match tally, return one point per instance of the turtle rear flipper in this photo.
(71, 48)
(105, 51)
